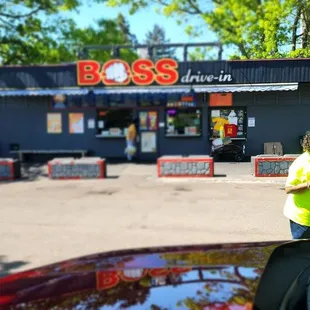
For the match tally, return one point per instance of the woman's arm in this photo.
(297, 188)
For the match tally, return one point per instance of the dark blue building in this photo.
(44, 108)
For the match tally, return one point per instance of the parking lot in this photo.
(45, 221)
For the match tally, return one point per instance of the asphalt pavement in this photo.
(44, 221)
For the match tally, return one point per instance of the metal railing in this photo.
(115, 49)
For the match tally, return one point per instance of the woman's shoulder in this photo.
(301, 161)
(304, 157)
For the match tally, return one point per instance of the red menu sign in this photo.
(230, 130)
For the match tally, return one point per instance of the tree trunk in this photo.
(295, 28)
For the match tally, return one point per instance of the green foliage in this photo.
(258, 29)
(105, 32)
(200, 54)
(252, 257)
(158, 36)
(33, 32)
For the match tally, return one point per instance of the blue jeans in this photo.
(130, 143)
(299, 231)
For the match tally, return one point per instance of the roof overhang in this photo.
(238, 88)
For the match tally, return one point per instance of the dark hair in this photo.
(135, 122)
(306, 141)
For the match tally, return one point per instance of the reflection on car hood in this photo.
(195, 277)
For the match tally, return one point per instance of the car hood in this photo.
(223, 276)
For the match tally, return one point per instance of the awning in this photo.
(44, 92)
(245, 88)
(141, 90)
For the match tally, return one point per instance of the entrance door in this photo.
(148, 134)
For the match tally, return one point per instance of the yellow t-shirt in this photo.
(132, 133)
(297, 206)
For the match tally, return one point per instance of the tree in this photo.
(33, 32)
(158, 36)
(125, 29)
(255, 257)
(26, 28)
(258, 29)
(240, 290)
(105, 32)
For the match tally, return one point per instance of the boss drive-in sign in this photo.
(143, 72)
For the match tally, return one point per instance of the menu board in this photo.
(160, 99)
(89, 100)
(75, 101)
(116, 100)
(227, 123)
(130, 100)
(145, 100)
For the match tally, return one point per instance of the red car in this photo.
(272, 275)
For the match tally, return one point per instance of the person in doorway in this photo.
(131, 138)
(297, 206)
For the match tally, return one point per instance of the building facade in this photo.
(180, 106)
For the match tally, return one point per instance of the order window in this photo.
(183, 122)
(113, 122)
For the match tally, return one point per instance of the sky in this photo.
(142, 22)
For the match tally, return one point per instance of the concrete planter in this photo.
(187, 167)
(10, 169)
(272, 166)
(75, 169)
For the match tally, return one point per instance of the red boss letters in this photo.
(118, 72)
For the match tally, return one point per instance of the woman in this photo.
(131, 140)
(297, 207)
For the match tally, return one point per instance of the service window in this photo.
(113, 122)
(225, 122)
(183, 122)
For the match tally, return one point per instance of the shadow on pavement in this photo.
(113, 177)
(32, 172)
(7, 268)
(220, 175)
(133, 162)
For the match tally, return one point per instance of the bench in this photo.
(76, 169)
(9, 169)
(273, 166)
(186, 167)
(21, 153)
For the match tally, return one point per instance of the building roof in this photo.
(242, 72)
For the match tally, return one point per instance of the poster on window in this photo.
(227, 123)
(76, 123)
(148, 142)
(54, 124)
(143, 120)
(152, 120)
